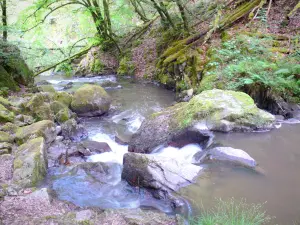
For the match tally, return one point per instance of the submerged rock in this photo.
(30, 163)
(156, 172)
(235, 156)
(90, 100)
(45, 129)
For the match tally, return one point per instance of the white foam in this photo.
(185, 153)
(116, 155)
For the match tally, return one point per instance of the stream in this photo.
(277, 152)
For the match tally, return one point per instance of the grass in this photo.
(233, 212)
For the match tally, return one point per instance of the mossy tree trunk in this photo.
(3, 4)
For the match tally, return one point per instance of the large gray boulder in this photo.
(90, 100)
(30, 163)
(214, 110)
(156, 172)
(44, 128)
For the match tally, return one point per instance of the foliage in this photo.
(66, 68)
(248, 62)
(233, 212)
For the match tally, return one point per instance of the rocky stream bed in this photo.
(73, 152)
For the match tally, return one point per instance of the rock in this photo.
(30, 163)
(63, 115)
(56, 106)
(156, 172)
(45, 129)
(190, 92)
(90, 100)
(5, 148)
(214, 110)
(58, 130)
(83, 215)
(68, 86)
(94, 146)
(120, 140)
(6, 115)
(46, 88)
(9, 128)
(73, 131)
(157, 132)
(5, 102)
(63, 97)
(6, 137)
(43, 82)
(6, 167)
(235, 156)
(25, 119)
(59, 138)
(39, 107)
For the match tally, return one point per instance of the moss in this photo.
(6, 137)
(63, 115)
(5, 102)
(63, 97)
(96, 66)
(6, 115)
(18, 164)
(126, 66)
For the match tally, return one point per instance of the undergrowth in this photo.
(249, 62)
(233, 212)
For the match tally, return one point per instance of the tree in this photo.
(3, 5)
(98, 9)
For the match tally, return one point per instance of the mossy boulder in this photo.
(73, 131)
(56, 106)
(45, 129)
(90, 100)
(10, 128)
(39, 107)
(6, 137)
(6, 115)
(214, 110)
(30, 164)
(13, 69)
(63, 97)
(63, 115)
(47, 88)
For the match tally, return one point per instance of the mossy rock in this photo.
(56, 106)
(63, 115)
(47, 88)
(63, 97)
(213, 110)
(10, 128)
(90, 100)
(45, 129)
(6, 80)
(39, 107)
(6, 137)
(30, 164)
(6, 115)
(5, 102)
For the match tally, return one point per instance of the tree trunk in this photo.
(4, 19)
(183, 15)
(107, 16)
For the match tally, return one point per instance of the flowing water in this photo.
(277, 152)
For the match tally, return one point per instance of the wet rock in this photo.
(6, 137)
(58, 130)
(63, 97)
(73, 131)
(45, 129)
(30, 163)
(121, 140)
(234, 156)
(68, 86)
(6, 115)
(156, 172)
(91, 100)
(94, 146)
(157, 132)
(43, 82)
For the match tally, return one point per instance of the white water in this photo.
(184, 154)
(116, 154)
